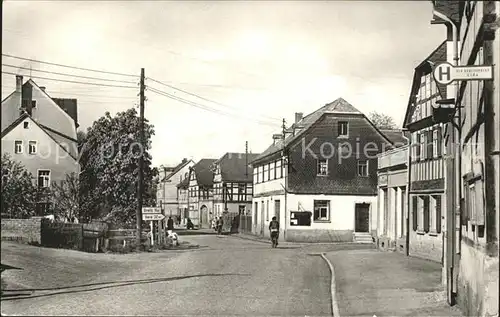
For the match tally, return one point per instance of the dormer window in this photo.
(343, 129)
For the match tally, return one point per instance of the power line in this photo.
(202, 98)
(66, 74)
(204, 107)
(68, 66)
(73, 82)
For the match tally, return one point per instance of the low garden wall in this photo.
(22, 230)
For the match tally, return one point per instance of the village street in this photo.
(225, 276)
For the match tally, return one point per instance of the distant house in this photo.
(40, 132)
(200, 192)
(233, 186)
(320, 178)
(170, 177)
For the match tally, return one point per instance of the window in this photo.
(437, 207)
(430, 143)
(343, 128)
(362, 168)
(18, 147)
(426, 211)
(322, 167)
(272, 171)
(420, 214)
(241, 192)
(266, 173)
(32, 147)
(26, 124)
(414, 206)
(279, 169)
(270, 165)
(422, 146)
(321, 210)
(257, 172)
(435, 143)
(43, 178)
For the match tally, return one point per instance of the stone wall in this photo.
(22, 230)
(318, 235)
(426, 246)
(477, 287)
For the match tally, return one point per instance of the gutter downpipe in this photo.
(451, 231)
(408, 200)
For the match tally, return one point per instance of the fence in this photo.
(245, 223)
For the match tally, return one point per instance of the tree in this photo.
(81, 137)
(19, 193)
(382, 121)
(67, 197)
(109, 163)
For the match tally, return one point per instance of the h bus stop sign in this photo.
(445, 73)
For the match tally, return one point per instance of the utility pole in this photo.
(141, 162)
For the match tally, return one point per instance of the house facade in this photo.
(233, 184)
(40, 132)
(200, 193)
(320, 178)
(427, 164)
(472, 241)
(392, 199)
(167, 190)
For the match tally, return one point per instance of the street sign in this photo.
(151, 210)
(152, 217)
(445, 73)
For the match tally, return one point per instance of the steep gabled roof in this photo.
(24, 116)
(439, 55)
(338, 106)
(176, 169)
(396, 136)
(204, 172)
(234, 167)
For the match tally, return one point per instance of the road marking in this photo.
(335, 307)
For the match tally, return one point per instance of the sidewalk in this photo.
(371, 282)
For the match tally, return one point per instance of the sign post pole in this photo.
(152, 232)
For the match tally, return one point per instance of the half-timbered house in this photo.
(200, 192)
(426, 161)
(233, 186)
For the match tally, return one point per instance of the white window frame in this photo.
(420, 210)
(48, 178)
(21, 147)
(319, 165)
(432, 214)
(35, 147)
(367, 168)
(272, 173)
(435, 143)
(341, 124)
(327, 207)
(279, 168)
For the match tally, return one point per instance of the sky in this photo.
(254, 63)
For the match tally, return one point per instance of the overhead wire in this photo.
(69, 66)
(74, 82)
(202, 98)
(66, 74)
(204, 107)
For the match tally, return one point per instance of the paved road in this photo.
(226, 276)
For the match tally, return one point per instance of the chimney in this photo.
(19, 91)
(298, 116)
(277, 137)
(184, 160)
(42, 88)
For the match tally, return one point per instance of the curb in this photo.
(333, 292)
(251, 239)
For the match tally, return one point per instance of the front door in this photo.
(204, 217)
(362, 218)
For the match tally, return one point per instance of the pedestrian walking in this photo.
(170, 223)
(219, 226)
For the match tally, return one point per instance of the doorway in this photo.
(203, 216)
(362, 217)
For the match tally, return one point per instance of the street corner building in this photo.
(39, 131)
(197, 193)
(473, 185)
(167, 194)
(319, 177)
(233, 185)
(426, 162)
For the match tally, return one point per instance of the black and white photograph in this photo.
(250, 158)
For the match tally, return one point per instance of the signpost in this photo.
(445, 73)
(152, 214)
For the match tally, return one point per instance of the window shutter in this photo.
(480, 208)
(430, 143)
(426, 214)
(438, 214)
(417, 146)
(439, 141)
(415, 212)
